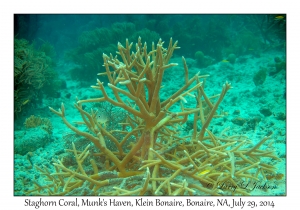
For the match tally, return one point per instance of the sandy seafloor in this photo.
(245, 97)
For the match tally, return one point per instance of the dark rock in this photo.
(265, 111)
(68, 95)
(239, 121)
(280, 116)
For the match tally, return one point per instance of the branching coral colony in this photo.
(152, 158)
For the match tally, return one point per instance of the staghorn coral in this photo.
(159, 160)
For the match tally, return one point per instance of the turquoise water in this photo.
(246, 50)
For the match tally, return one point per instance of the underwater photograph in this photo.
(149, 104)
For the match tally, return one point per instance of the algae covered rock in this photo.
(231, 58)
(203, 61)
(30, 140)
(239, 121)
(260, 76)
